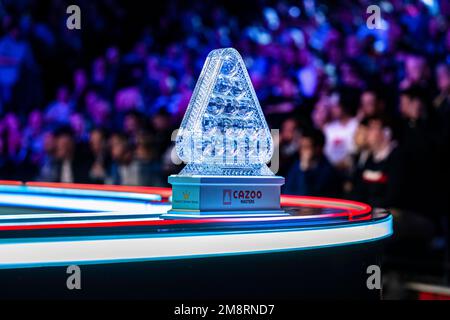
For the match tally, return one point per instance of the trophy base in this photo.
(181, 214)
(225, 196)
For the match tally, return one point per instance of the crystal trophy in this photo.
(225, 142)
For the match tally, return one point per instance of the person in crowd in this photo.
(7, 164)
(97, 109)
(149, 166)
(33, 134)
(70, 163)
(376, 177)
(98, 144)
(442, 101)
(416, 72)
(80, 85)
(99, 75)
(161, 128)
(12, 137)
(124, 169)
(113, 66)
(441, 104)
(320, 115)
(420, 146)
(48, 163)
(33, 139)
(288, 145)
(358, 157)
(58, 112)
(360, 138)
(370, 104)
(339, 133)
(133, 123)
(350, 76)
(312, 174)
(79, 127)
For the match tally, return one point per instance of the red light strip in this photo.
(10, 183)
(164, 192)
(354, 210)
(354, 207)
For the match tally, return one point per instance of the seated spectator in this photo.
(99, 75)
(414, 106)
(97, 109)
(78, 125)
(80, 85)
(101, 159)
(312, 174)
(33, 137)
(320, 115)
(72, 164)
(161, 125)
(360, 138)
(124, 169)
(376, 176)
(359, 156)
(370, 104)
(350, 76)
(420, 146)
(288, 145)
(13, 136)
(339, 133)
(132, 124)
(442, 106)
(442, 101)
(416, 72)
(48, 168)
(149, 166)
(58, 112)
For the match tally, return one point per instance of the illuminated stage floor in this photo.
(125, 249)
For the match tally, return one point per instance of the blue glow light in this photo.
(80, 192)
(224, 131)
(80, 200)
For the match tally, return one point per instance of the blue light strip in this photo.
(72, 204)
(73, 193)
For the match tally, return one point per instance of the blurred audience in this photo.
(362, 113)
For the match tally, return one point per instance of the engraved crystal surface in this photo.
(224, 131)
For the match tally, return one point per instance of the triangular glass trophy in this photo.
(226, 143)
(224, 131)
